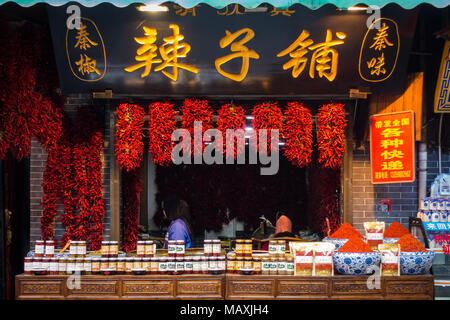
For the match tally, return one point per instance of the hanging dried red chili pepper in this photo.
(267, 115)
(232, 117)
(132, 186)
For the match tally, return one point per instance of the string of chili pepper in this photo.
(231, 117)
(129, 136)
(161, 124)
(132, 187)
(267, 115)
(331, 125)
(196, 110)
(297, 131)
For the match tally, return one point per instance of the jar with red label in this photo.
(248, 248)
(87, 268)
(216, 248)
(39, 249)
(53, 266)
(79, 264)
(207, 247)
(140, 249)
(162, 268)
(95, 268)
(239, 247)
(148, 249)
(113, 249)
(49, 248)
(221, 264)
(196, 265)
(179, 265)
(104, 264)
(257, 265)
(205, 265)
(70, 267)
(137, 264)
(171, 265)
(81, 250)
(231, 262)
(120, 265)
(105, 249)
(62, 265)
(180, 248)
(28, 265)
(73, 249)
(129, 264)
(45, 264)
(146, 264)
(212, 263)
(188, 265)
(239, 264)
(172, 248)
(154, 264)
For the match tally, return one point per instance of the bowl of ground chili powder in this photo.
(341, 235)
(356, 257)
(414, 257)
(393, 233)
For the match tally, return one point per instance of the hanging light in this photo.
(152, 8)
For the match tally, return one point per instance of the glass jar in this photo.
(95, 268)
(207, 248)
(180, 248)
(62, 266)
(146, 264)
(79, 264)
(104, 264)
(248, 263)
(273, 266)
(87, 265)
(290, 266)
(239, 247)
(148, 249)
(205, 265)
(112, 264)
(45, 264)
(281, 247)
(188, 265)
(129, 264)
(196, 265)
(281, 266)
(137, 263)
(162, 268)
(81, 249)
(231, 262)
(73, 249)
(273, 247)
(49, 248)
(172, 248)
(154, 265)
(216, 248)
(52, 266)
(28, 265)
(212, 263)
(140, 249)
(239, 264)
(265, 265)
(113, 249)
(70, 267)
(221, 265)
(105, 249)
(248, 248)
(179, 265)
(39, 247)
(171, 265)
(120, 265)
(257, 265)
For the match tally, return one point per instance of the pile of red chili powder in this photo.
(346, 231)
(408, 243)
(355, 245)
(395, 230)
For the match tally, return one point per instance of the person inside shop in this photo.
(176, 212)
(283, 228)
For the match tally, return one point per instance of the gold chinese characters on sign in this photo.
(173, 48)
(379, 51)
(86, 51)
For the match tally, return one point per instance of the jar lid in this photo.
(39, 241)
(28, 258)
(50, 241)
(179, 258)
(180, 241)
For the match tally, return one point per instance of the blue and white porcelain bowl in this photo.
(337, 242)
(416, 262)
(356, 263)
(390, 240)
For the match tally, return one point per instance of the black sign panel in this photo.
(205, 51)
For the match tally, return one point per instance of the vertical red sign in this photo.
(392, 142)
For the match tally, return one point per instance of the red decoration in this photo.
(297, 132)
(131, 192)
(231, 117)
(161, 124)
(129, 142)
(267, 115)
(196, 110)
(331, 125)
(87, 162)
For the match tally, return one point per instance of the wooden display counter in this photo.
(230, 287)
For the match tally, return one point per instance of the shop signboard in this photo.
(442, 93)
(206, 51)
(392, 144)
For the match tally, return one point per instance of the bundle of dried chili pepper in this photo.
(408, 243)
(395, 230)
(355, 245)
(297, 131)
(346, 231)
(129, 136)
(267, 116)
(232, 117)
(161, 125)
(132, 183)
(331, 125)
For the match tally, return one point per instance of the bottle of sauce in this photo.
(290, 266)
(281, 247)
(273, 247)
(180, 248)
(196, 265)
(281, 266)
(205, 265)
(171, 265)
(137, 264)
(140, 249)
(62, 266)
(248, 263)
(239, 247)
(45, 264)
(49, 248)
(53, 266)
(207, 248)
(172, 248)
(79, 264)
(273, 266)
(73, 249)
(217, 248)
(104, 264)
(188, 265)
(39, 249)
(221, 265)
(28, 265)
(212, 264)
(257, 265)
(265, 266)
(81, 249)
(121, 265)
(148, 250)
(70, 265)
(87, 265)
(179, 265)
(248, 248)
(231, 262)
(129, 264)
(105, 249)
(146, 265)
(95, 265)
(239, 263)
(162, 265)
(113, 249)
(154, 265)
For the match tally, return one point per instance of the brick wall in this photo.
(433, 165)
(38, 159)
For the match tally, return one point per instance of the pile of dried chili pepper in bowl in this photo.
(393, 233)
(341, 235)
(356, 257)
(414, 257)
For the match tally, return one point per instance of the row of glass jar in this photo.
(110, 249)
(244, 248)
(145, 249)
(176, 248)
(277, 247)
(156, 265)
(212, 248)
(282, 265)
(44, 248)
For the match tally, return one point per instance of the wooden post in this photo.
(114, 185)
(346, 173)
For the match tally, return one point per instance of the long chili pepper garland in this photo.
(196, 110)
(161, 125)
(267, 115)
(132, 188)
(331, 125)
(129, 136)
(297, 131)
(231, 117)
